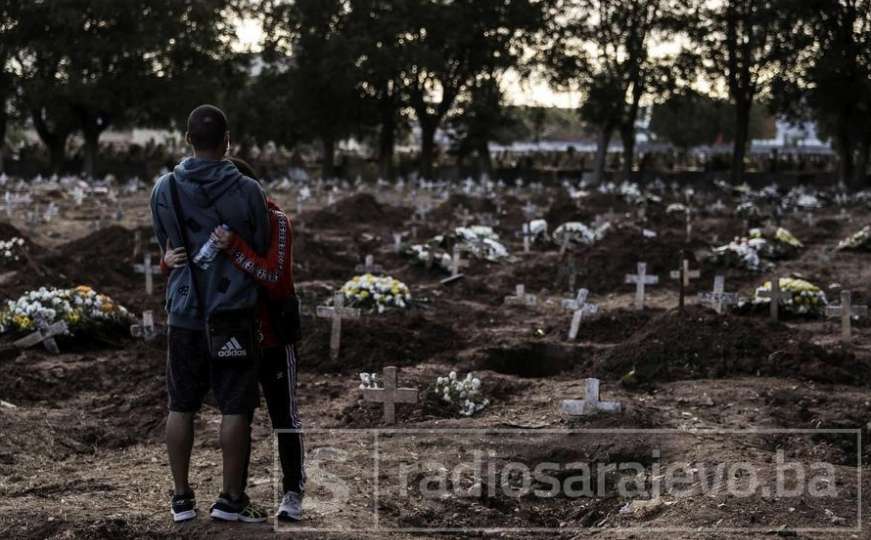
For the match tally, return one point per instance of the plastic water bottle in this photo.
(208, 253)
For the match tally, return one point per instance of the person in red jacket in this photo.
(274, 273)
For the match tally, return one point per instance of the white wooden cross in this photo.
(45, 334)
(336, 313)
(529, 210)
(689, 223)
(397, 242)
(421, 212)
(521, 297)
(146, 329)
(149, 270)
(718, 299)
(775, 295)
(684, 274)
(456, 264)
(580, 307)
(564, 244)
(369, 266)
(846, 311)
(390, 395)
(463, 215)
(641, 279)
(590, 404)
(526, 233)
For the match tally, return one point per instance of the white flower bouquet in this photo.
(81, 308)
(482, 242)
(578, 233)
(370, 381)
(464, 395)
(857, 241)
(806, 298)
(376, 292)
(754, 252)
(11, 250)
(428, 255)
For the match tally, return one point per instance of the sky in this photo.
(533, 92)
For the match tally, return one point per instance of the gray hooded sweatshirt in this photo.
(211, 193)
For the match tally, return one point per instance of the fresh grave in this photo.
(756, 251)
(797, 297)
(85, 313)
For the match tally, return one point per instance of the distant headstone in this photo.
(521, 297)
(684, 276)
(846, 311)
(45, 334)
(580, 309)
(641, 280)
(591, 403)
(390, 395)
(718, 298)
(149, 270)
(456, 264)
(369, 266)
(336, 313)
(775, 295)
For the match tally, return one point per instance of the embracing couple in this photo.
(233, 318)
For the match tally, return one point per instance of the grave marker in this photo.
(45, 334)
(717, 298)
(526, 233)
(369, 266)
(641, 279)
(580, 307)
(397, 242)
(684, 276)
(456, 264)
(591, 403)
(846, 311)
(774, 295)
(463, 215)
(336, 313)
(390, 395)
(149, 270)
(146, 329)
(521, 297)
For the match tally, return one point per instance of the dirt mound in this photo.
(320, 259)
(702, 344)
(604, 265)
(360, 209)
(475, 205)
(392, 338)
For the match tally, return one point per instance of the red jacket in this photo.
(273, 272)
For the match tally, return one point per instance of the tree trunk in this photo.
(328, 169)
(602, 153)
(387, 143)
(627, 135)
(3, 119)
(485, 162)
(92, 145)
(844, 145)
(57, 152)
(860, 172)
(742, 134)
(427, 147)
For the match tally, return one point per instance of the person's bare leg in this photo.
(235, 440)
(179, 443)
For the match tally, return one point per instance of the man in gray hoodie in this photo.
(211, 192)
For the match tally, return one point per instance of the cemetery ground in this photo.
(81, 453)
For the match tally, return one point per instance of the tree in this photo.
(92, 64)
(689, 118)
(322, 76)
(602, 47)
(10, 17)
(482, 117)
(744, 42)
(827, 77)
(448, 45)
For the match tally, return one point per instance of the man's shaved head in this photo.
(207, 127)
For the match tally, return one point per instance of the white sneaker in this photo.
(290, 508)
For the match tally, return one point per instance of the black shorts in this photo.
(190, 373)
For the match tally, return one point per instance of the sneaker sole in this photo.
(187, 515)
(224, 516)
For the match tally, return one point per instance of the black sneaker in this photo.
(241, 509)
(183, 507)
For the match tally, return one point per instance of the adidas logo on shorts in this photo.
(232, 349)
